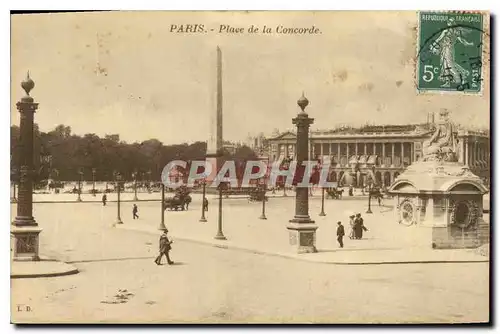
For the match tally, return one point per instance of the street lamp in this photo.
(135, 185)
(149, 181)
(204, 183)
(93, 181)
(118, 179)
(220, 235)
(263, 215)
(25, 229)
(322, 213)
(369, 196)
(106, 178)
(79, 198)
(162, 222)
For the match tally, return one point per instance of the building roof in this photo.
(389, 130)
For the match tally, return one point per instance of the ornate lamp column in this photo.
(302, 229)
(25, 230)
(118, 179)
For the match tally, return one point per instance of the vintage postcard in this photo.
(250, 167)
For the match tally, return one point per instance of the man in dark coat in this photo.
(134, 212)
(340, 234)
(164, 248)
(104, 199)
(205, 204)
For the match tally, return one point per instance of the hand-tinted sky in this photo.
(126, 73)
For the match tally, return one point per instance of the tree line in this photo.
(63, 156)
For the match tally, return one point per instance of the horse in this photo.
(376, 194)
(177, 202)
(335, 193)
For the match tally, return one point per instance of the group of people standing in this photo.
(357, 226)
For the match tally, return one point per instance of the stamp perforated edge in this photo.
(485, 54)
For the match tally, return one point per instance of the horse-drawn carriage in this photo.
(257, 195)
(377, 193)
(334, 193)
(180, 200)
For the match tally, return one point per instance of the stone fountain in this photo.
(440, 196)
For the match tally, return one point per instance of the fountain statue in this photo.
(442, 146)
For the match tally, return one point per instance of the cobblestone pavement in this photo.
(209, 284)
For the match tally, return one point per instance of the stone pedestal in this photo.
(302, 234)
(25, 243)
(444, 200)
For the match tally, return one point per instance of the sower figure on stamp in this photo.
(444, 46)
(164, 248)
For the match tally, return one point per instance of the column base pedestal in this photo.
(25, 243)
(302, 235)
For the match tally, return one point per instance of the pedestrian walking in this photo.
(104, 199)
(359, 227)
(134, 212)
(340, 234)
(165, 247)
(351, 225)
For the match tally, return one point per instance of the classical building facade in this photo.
(385, 150)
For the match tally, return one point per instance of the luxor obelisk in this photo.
(215, 143)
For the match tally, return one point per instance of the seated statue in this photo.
(442, 146)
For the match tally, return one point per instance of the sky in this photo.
(127, 73)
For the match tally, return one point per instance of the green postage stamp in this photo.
(450, 52)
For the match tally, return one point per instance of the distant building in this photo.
(229, 147)
(388, 148)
